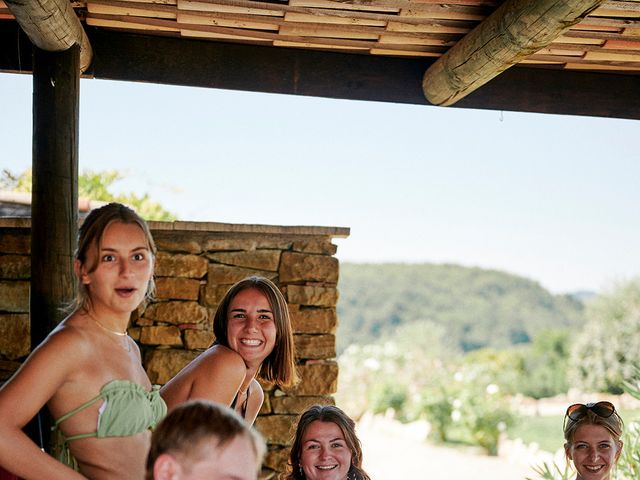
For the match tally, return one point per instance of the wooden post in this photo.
(515, 30)
(54, 214)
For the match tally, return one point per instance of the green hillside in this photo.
(477, 307)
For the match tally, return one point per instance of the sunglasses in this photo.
(578, 410)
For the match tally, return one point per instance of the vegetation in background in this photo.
(420, 371)
(606, 350)
(478, 308)
(95, 186)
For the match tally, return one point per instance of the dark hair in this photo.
(191, 423)
(326, 413)
(279, 366)
(90, 236)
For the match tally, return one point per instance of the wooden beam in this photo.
(201, 63)
(54, 211)
(515, 30)
(52, 25)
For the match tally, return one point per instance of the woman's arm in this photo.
(215, 375)
(256, 398)
(33, 385)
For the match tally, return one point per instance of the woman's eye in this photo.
(337, 445)
(108, 258)
(312, 447)
(265, 317)
(138, 256)
(605, 446)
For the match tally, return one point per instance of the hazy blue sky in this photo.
(553, 198)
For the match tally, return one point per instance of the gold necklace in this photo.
(120, 334)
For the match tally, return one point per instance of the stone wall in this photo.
(196, 264)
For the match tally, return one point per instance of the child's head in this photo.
(203, 440)
(279, 366)
(90, 236)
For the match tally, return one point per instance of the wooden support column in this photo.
(515, 30)
(54, 217)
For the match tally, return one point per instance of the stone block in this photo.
(265, 409)
(256, 259)
(180, 265)
(322, 246)
(19, 243)
(301, 267)
(161, 335)
(297, 405)
(277, 429)
(198, 339)
(229, 244)
(276, 458)
(14, 296)
(177, 288)
(134, 333)
(14, 340)
(273, 242)
(177, 243)
(315, 346)
(163, 365)
(214, 293)
(15, 267)
(317, 378)
(177, 313)
(312, 296)
(224, 274)
(313, 320)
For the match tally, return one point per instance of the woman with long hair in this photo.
(253, 341)
(88, 371)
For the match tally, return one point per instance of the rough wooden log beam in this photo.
(52, 25)
(515, 30)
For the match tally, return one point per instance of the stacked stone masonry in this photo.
(195, 265)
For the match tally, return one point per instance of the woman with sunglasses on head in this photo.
(88, 371)
(254, 341)
(592, 434)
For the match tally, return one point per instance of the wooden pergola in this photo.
(577, 57)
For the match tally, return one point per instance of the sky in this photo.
(553, 198)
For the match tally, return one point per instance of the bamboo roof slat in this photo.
(411, 53)
(315, 31)
(331, 20)
(431, 27)
(101, 22)
(187, 18)
(606, 56)
(440, 15)
(622, 45)
(199, 6)
(400, 39)
(324, 46)
(369, 7)
(119, 8)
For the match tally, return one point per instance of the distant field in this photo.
(546, 430)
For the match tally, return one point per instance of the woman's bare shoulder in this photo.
(224, 357)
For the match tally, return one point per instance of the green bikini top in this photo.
(128, 409)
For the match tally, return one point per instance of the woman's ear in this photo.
(81, 272)
(567, 451)
(620, 444)
(166, 467)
